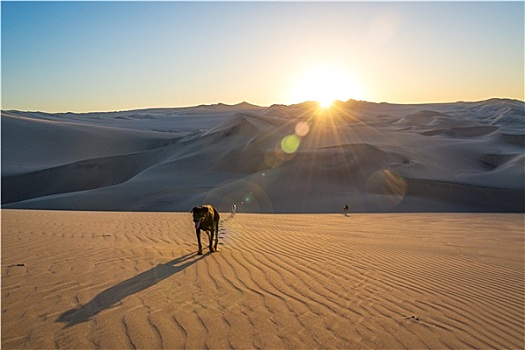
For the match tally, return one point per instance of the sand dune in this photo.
(82, 280)
(31, 144)
(128, 279)
(375, 157)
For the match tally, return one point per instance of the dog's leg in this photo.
(211, 240)
(198, 232)
(216, 234)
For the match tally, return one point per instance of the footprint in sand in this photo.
(222, 232)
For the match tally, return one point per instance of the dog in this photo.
(206, 218)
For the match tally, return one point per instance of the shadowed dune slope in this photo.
(374, 157)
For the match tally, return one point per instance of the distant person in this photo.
(234, 208)
(345, 210)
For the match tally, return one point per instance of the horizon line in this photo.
(255, 105)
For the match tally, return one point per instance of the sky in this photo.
(108, 56)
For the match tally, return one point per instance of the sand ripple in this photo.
(133, 280)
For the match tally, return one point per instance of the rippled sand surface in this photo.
(133, 280)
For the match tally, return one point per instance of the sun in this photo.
(325, 102)
(324, 85)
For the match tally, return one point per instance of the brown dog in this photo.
(206, 218)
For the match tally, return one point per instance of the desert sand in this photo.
(82, 280)
(374, 157)
(99, 251)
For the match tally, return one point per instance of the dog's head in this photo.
(199, 214)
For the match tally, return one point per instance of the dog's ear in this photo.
(193, 210)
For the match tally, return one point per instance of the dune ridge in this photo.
(133, 280)
(374, 157)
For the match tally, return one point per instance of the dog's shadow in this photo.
(138, 283)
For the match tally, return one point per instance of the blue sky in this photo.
(99, 56)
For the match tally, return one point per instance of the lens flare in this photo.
(290, 143)
(389, 185)
(302, 129)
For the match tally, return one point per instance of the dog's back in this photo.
(215, 214)
(212, 219)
